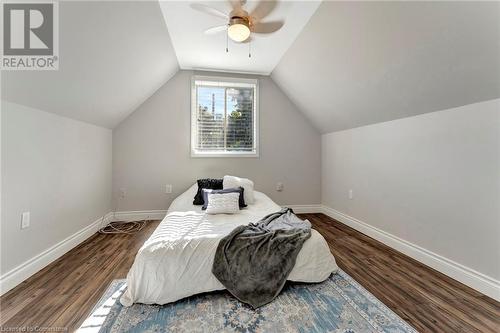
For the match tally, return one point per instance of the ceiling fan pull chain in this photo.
(227, 42)
(250, 49)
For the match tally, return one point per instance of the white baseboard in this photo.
(160, 214)
(20, 273)
(305, 209)
(139, 215)
(468, 276)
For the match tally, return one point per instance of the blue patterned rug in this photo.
(339, 304)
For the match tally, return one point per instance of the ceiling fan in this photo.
(241, 24)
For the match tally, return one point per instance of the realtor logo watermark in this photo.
(30, 36)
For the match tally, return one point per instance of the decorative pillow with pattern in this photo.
(213, 184)
(223, 203)
(239, 190)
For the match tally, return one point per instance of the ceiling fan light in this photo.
(238, 31)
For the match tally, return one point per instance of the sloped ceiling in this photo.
(358, 63)
(113, 56)
(353, 64)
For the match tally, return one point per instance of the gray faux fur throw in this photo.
(254, 261)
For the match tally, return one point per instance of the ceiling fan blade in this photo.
(208, 10)
(263, 8)
(267, 27)
(215, 30)
(236, 4)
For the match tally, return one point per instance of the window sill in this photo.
(227, 155)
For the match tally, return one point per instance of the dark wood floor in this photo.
(62, 294)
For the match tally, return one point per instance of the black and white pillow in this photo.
(209, 183)
(239, 190)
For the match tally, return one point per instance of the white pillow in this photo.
(223, 203)
(247, 184)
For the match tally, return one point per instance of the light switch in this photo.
(168, 188)
(25, 220)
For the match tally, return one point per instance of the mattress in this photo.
(176, 261)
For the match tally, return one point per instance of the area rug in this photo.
(338, 304)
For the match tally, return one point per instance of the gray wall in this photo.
(433, 180)
(58, 169)
(357, 63)
(151, 148)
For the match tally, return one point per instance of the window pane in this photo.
(210, 118)
(239, 119)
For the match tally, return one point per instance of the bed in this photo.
(176, 261)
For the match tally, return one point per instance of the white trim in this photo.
(229, 71)
(472, 278)
(305, 209)
(468, 276)
(225, 79)
(229, 154)
(20, 273)
(139, 215)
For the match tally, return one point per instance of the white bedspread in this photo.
(176, 261)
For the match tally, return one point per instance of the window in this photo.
(224, 117)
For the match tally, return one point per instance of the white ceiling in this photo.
(196, 50)
(113, 56)
(359, 63)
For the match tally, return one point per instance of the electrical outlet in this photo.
(123, 192)
(168, 188)
(350, 195)
(279, 187)
(25, 220)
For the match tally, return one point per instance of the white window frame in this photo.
(194, 117)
